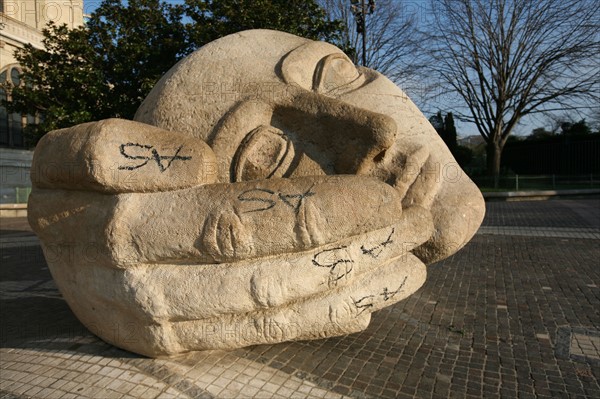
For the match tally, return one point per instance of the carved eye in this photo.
(264, 153)
(336, 74)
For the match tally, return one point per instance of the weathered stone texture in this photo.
(269, 190)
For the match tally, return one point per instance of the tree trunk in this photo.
(494, 153)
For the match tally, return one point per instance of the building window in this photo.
(3, 118)
(15, 76)
(12, 125)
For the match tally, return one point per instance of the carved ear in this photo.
(121, 156)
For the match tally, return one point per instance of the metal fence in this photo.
(540, 182)
(14, 195)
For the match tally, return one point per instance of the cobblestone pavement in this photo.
(515, 314)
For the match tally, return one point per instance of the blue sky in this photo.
(442, 102)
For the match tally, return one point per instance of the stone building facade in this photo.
(22, 22)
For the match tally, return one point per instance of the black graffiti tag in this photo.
(267, 199)
(369, 301)
(378, 249)
(387, 294)
(332, 258)
(153, 156)
(364, 303)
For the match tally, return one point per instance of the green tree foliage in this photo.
(445, 128)
(449, 136)
(571, 148)
(447, 131)
(64, 83)
(580, 128)
(100, 71)
(567, 129)
(216, 18)
(539, 133)
(108, 67)
(463, 155)
(135, 44)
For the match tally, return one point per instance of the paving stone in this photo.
(513, 314)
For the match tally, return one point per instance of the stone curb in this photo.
(537, 194)
(13, 210)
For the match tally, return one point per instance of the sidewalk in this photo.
(516, 313)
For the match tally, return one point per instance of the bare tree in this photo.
(390, 32)
(510, 58)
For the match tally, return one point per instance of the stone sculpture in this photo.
(268, 190)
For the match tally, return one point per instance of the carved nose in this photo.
(358, 137)
(380, 136)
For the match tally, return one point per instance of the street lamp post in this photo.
(361, 9)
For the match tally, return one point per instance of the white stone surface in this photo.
(268, 191)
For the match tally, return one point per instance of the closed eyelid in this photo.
(298, 66)
(343, 80)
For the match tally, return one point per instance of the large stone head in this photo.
(269, 190)
(271, 104)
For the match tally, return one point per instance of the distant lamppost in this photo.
(361, 9)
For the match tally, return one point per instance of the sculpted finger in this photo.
(341, 311)
(338, 311)
(206, 291)
(222, 223)
(250, 220)
(119, 156)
